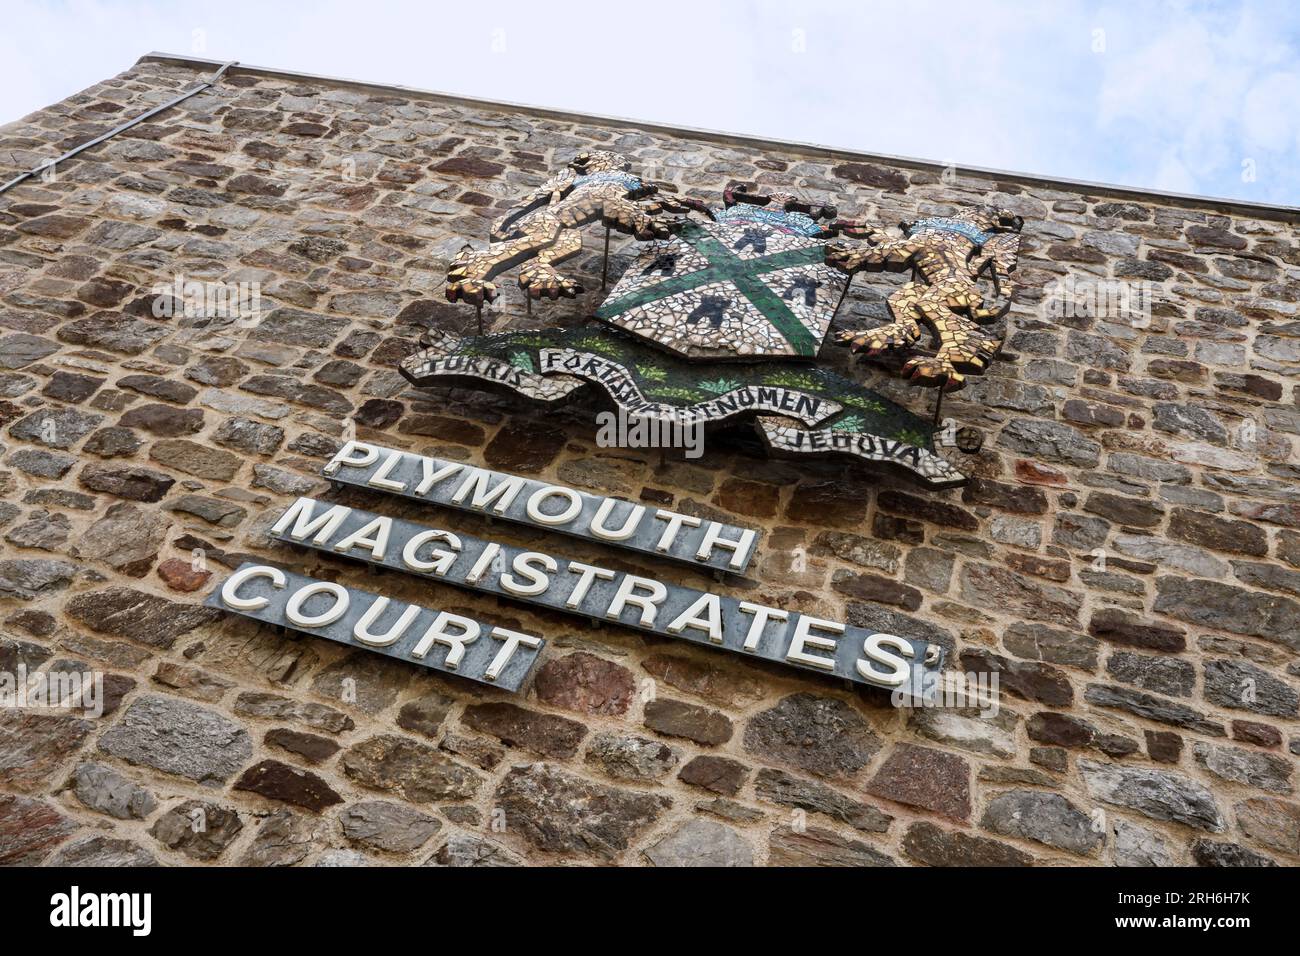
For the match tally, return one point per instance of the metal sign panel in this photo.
(647, 530)
(827, 647)
(434, 639)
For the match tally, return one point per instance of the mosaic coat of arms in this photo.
(722, 314)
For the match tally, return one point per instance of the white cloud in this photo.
(1269, 112)
(1180, 95)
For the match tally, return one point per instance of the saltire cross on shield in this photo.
(714, 290)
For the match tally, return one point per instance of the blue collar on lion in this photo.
(941, 224)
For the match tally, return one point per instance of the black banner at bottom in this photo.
(127, 908)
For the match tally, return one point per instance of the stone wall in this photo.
(1127, 558)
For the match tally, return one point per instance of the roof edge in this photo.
(1211, 203)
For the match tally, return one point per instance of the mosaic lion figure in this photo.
(947, 256)
(542, 229)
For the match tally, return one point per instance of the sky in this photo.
(1189, 97)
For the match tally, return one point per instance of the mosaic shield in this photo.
(750, 284)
